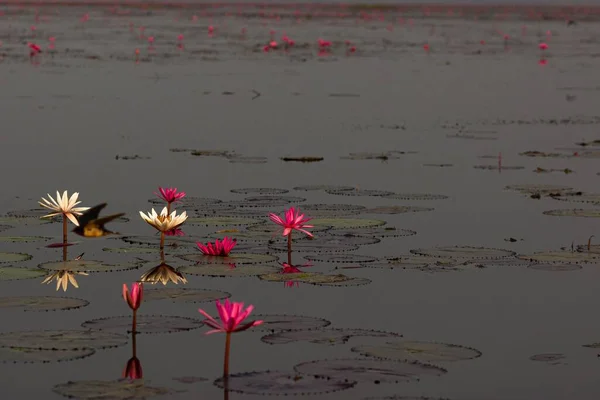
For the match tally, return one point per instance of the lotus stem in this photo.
(134, 323)
(226, 361)
(133, 344)
(290, 248)
(162, 255)
(64, 229)
(168, 208)
(162, 241)
(590, 242)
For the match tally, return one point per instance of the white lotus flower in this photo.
(164, 222)
(63, 205)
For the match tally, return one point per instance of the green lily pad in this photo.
(279, 322)
(550, 358)
(555, 267)
(579, 197)
(14, 355)
(341, 258)
(15, 221)
(145, 324)
(396, 210)
(259, 191)
(62, 339)
(24, 239)
(310, 188)
(132, 250)
(575, 212)
(415, 196)
(360, 192)
(311, 246)
(228, 270)
(419, 263)
(114, 390)
(221, 221)
(282, 383)
(326, 336)
(381, 232)
(367, 370)
(346, 223)
(418, 351)
(86, 266)
(561, 257)
(315, 278)
(184, 295)
(278, 232)
(8, 257)
(17, 273)
(331, 210)
(241, 258)
(464, 252)
(538, 188)
(267, 201)
(42, 303)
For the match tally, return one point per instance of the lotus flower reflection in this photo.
(231, 318)
(63, 278)
(219, 248)
(164, 274)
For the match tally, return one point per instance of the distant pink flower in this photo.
(170, 195)
(323, 43)
(543, 46)
(293, 221)
(219, 248)
(133, 299)
(231, 315)
(273, 44)
(35, 49)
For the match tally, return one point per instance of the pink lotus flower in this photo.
(231, 315)
(133, 299)
(293, 220)
(133, 369)
(170, 195)
(543, 46)
(220, 248)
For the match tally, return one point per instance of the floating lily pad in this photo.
(497, 167)
(8, 257)
(154, 241)
(415, 196)
(267, 201)
(214, 210)
(17, 273)
(247, 212)
(464, 252)
(260, 191)
(114, 390)
(312, 246)
(346, 223)
(86, 266)
(345, 240)
(132, 250)
(32, 213)
(183, 295)
(538, 188)
(579, 197)
(576, 212)
(367, 370)
(189, 202)
(145, 324)
(341, 258)
(24, 239)
(63, 339)
(189, 379)
(396, 210)
(305, 159)
(360, 192)
(328, 337)
(551, 358)
(276, 322)
(383, 232)
(241, 258)
(247, 236)
(331, 210)
(420, 263)
(274, 229)
(561, 257)
(383, 156)
(418, 351)
(315, 278)
(282, 383)
(310, 188)
(42, 303)
(14, 355)
(12, 220)
(228, 270)
(221, 221)
(555, 267)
